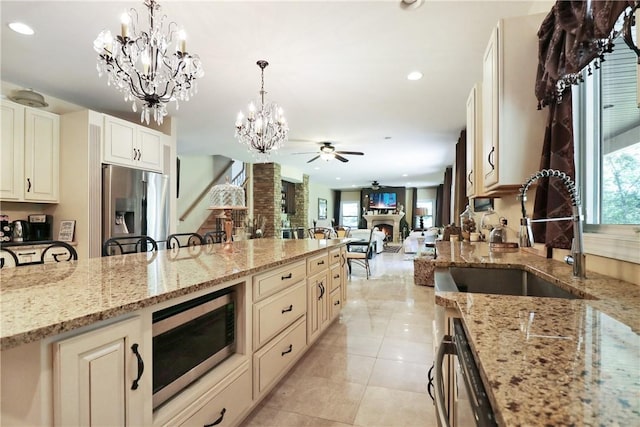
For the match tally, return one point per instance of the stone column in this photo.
(267, 188)
(301, 217)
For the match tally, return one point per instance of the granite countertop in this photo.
(547, 361)
(43, 300)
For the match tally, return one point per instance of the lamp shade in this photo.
(421, 211)
(227, 196)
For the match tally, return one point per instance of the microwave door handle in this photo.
(446, 347)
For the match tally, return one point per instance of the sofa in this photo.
(410, 244)
(363, 234)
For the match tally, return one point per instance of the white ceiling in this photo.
(337, 68)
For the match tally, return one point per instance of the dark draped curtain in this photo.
(336, 208)
(414, 205)
(461, 200)
(438, 216)
(570, 38)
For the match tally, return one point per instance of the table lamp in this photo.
(227, 197)
(421, 212)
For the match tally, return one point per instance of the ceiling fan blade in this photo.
(307, 152)
(339, 157)
(351, 153)
(316, 157)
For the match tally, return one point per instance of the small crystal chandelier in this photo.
(265, 130)
(139, 63)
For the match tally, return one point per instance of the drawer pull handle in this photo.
(288, 276)
(26, 253)
(337, 276)
(219, 420)
(290, 308)
(289, 350)
(134, 348)
(321, 262)
(28, 185)
(336, 256)
(337, 302)
(321, 291)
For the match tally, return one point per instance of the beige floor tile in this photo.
(386, 407)
(408, 351)
(317, 397)
(400, 375)
(363, 345)
(332, 363)
(410, 332)
(269, 417)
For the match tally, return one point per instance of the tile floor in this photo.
(370, 366)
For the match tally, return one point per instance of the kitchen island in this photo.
(45, 307)
(548, 361)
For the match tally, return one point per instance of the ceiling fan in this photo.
(375, 185)
(328, 152)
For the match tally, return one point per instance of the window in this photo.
(607, 132)
(426, 219)
(349, 211)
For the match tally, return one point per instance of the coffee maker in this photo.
(41, 226)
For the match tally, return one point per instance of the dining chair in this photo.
(218, 236)
(181, 240)
(128, 245)
(359, 252)
(343, 232)
(58, 251)
(319, 233)
(8, 258)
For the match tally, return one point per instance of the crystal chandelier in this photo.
(141, 64)
(265, 130)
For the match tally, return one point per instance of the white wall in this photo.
(540, 6)
(196, 172)
(320, 191)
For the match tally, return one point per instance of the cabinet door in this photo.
(472, 137)
(11, 151)
(149, 155)
(41, 155)
(119, 142)
(94, 376)
(317, 312)
(490, 111)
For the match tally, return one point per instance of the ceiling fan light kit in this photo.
(328, 152)
(264, 130)
(143, 65)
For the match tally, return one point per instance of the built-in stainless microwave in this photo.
(189, 339)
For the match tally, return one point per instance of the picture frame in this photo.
(322, 208)
(67, 230)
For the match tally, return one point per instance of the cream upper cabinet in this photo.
(512, 126)
(128, 144)
(99, 377)
(30, 155)
(12, 151)
(474, 142)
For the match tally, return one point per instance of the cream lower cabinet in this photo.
(318, 315)
(99, 377)
(30, 156)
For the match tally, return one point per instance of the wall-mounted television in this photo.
(382, 201)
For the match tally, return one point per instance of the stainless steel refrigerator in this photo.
(134, 203)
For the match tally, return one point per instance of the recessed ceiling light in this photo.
(408, 183)
(410, 4)
(405, 174)
(414, 75)
(338, 178)
(21, 28)
(353, 185)
(317, 168)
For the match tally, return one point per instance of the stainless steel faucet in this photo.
(577, 257)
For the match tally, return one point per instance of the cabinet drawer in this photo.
(334, 256)
(271, 361)
(225, 406)
(266, 284)
(335, 277)
(335, 302)
(317, 263)
(29, 254)
(277, 312)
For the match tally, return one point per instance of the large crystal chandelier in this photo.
(265, 130)
(144, 66)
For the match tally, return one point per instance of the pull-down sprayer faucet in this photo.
(577, 257)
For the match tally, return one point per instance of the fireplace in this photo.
(390, 220)
(387, 229)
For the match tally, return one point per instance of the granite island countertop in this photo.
(547, 361)
(43, 300)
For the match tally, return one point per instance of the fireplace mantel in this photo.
(373, 220)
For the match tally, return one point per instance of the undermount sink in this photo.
(498, 281)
